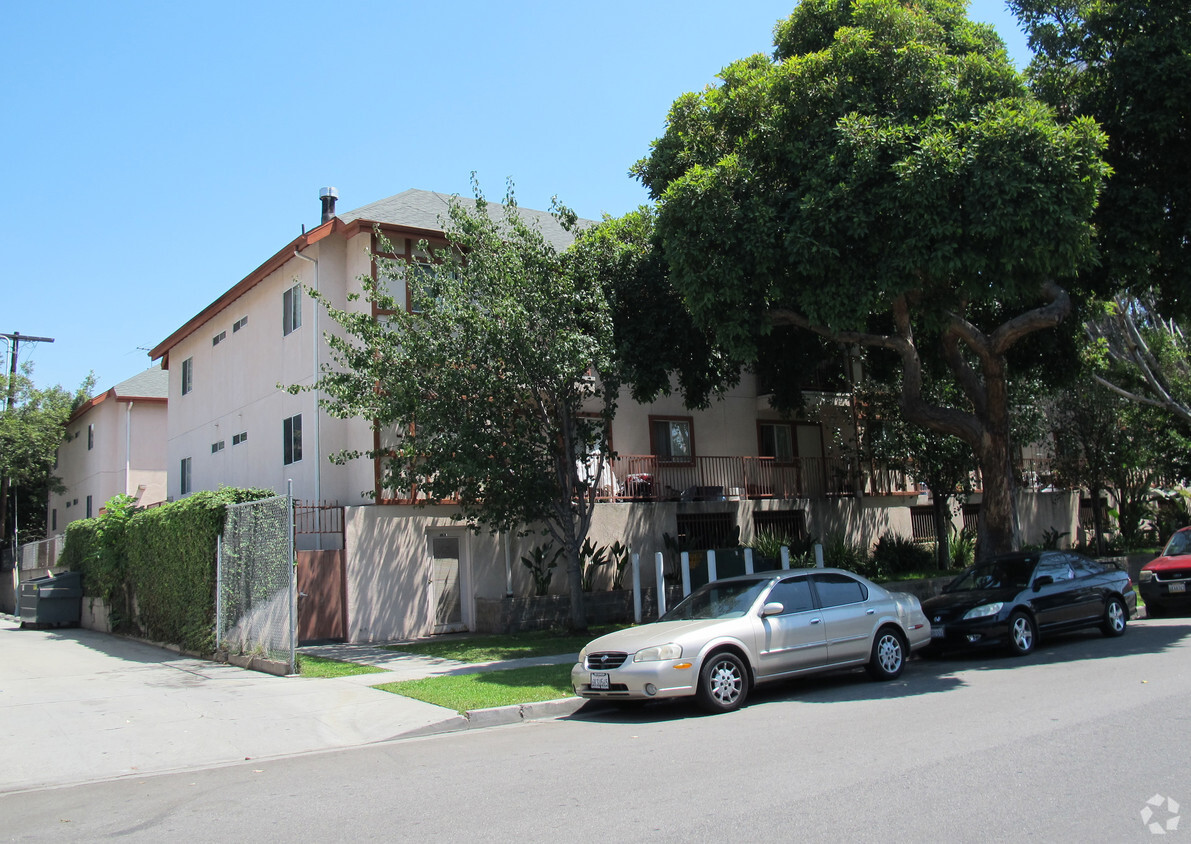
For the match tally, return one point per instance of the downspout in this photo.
(128, 448)
(318, 455)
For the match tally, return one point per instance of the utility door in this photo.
(446, 583)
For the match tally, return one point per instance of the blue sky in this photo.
(156, 153)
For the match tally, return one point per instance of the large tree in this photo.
(885, 179)
(497, 391)
(31, 429)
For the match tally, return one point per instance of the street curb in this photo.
(498, 716)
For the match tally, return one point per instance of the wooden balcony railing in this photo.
(650, 478)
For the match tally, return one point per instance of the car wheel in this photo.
(888, 659)
(1115, 617)
(1023, 635)
(723, 683)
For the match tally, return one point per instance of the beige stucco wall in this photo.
(129, 451)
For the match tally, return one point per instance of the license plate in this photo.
(1178, 587)
(936, 632)
(599, 680)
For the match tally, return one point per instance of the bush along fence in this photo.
(154, 568)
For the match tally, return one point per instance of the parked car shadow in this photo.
(921, 677)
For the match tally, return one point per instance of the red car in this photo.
(1163, 581)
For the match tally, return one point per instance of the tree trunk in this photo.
(1097, 520)
(575, 582)
(942, 529)
(999, 529)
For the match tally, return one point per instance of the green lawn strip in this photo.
(492, 648)
(317, 666)
(462, 692)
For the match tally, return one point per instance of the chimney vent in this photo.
(328, 196)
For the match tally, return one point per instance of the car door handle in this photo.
(869, 612)
(815, 620)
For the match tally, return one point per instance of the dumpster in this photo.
(56, 600)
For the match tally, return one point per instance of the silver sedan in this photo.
(727, 636)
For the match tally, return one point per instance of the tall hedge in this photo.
(160, 561)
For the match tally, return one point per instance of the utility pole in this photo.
(14, 340)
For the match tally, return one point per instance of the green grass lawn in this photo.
(462, 692)
(317, 666)
(491, 648)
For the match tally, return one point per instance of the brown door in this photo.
(322, 610)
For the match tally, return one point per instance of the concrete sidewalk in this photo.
(80, 706)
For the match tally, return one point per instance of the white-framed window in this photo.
(239, 438)
(291, 310)
(90, 437)
(218, 338)
(240, 323)
(184, 480)
(216, 447)
(291, 436)
(671, 439)
(187, 375)
(776, 440)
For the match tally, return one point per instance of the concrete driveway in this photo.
(79, 706)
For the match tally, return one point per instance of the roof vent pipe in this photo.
(328, 196)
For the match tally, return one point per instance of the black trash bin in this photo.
(54, 600)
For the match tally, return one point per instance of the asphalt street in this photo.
(1072, 743)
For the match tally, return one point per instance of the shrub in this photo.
(541, 565)
(896, 554)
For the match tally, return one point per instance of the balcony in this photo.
(650, 478)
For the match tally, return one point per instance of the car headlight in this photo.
(654, 654)
(983, 611)
(1145, 576)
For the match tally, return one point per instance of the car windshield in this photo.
(1179, 544)
(729, 599)
(995, 574)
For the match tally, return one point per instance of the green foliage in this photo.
(769, 543)
(963, 549)
(541, 564)
(618, 553)
(841, 553)
(160, 560)
(30, 433)
(464, 692)
(895, 554)
(1052, 537)
(593, 557)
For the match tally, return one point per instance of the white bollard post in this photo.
(785, 558)
(748, 560)
(685, 562)
(660, 569)
(818, 556)
(636, 558)
(711, 566)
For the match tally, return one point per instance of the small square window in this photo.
(216, 447)
(240, 323)
(218, 338)
(239, 438)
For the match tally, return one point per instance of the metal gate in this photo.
(255, 590)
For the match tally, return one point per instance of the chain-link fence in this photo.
(256, 596)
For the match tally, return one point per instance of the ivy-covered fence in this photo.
(155, 568)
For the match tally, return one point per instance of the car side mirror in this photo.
(1044, 580)
(772, 608)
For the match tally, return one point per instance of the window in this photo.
(670, 439)
(89, 514)
(291, 435)
(776, 440)
(54, 519)
(419, 284)
(187, 375)
(240, 323)
(922, 523)
(788, 524)
(218, 338)
(184, 484)
(794, 594)
(291, 310)
(837, 589)
(90, 437)
(239, 438)
(705, 531)
(217, 447)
